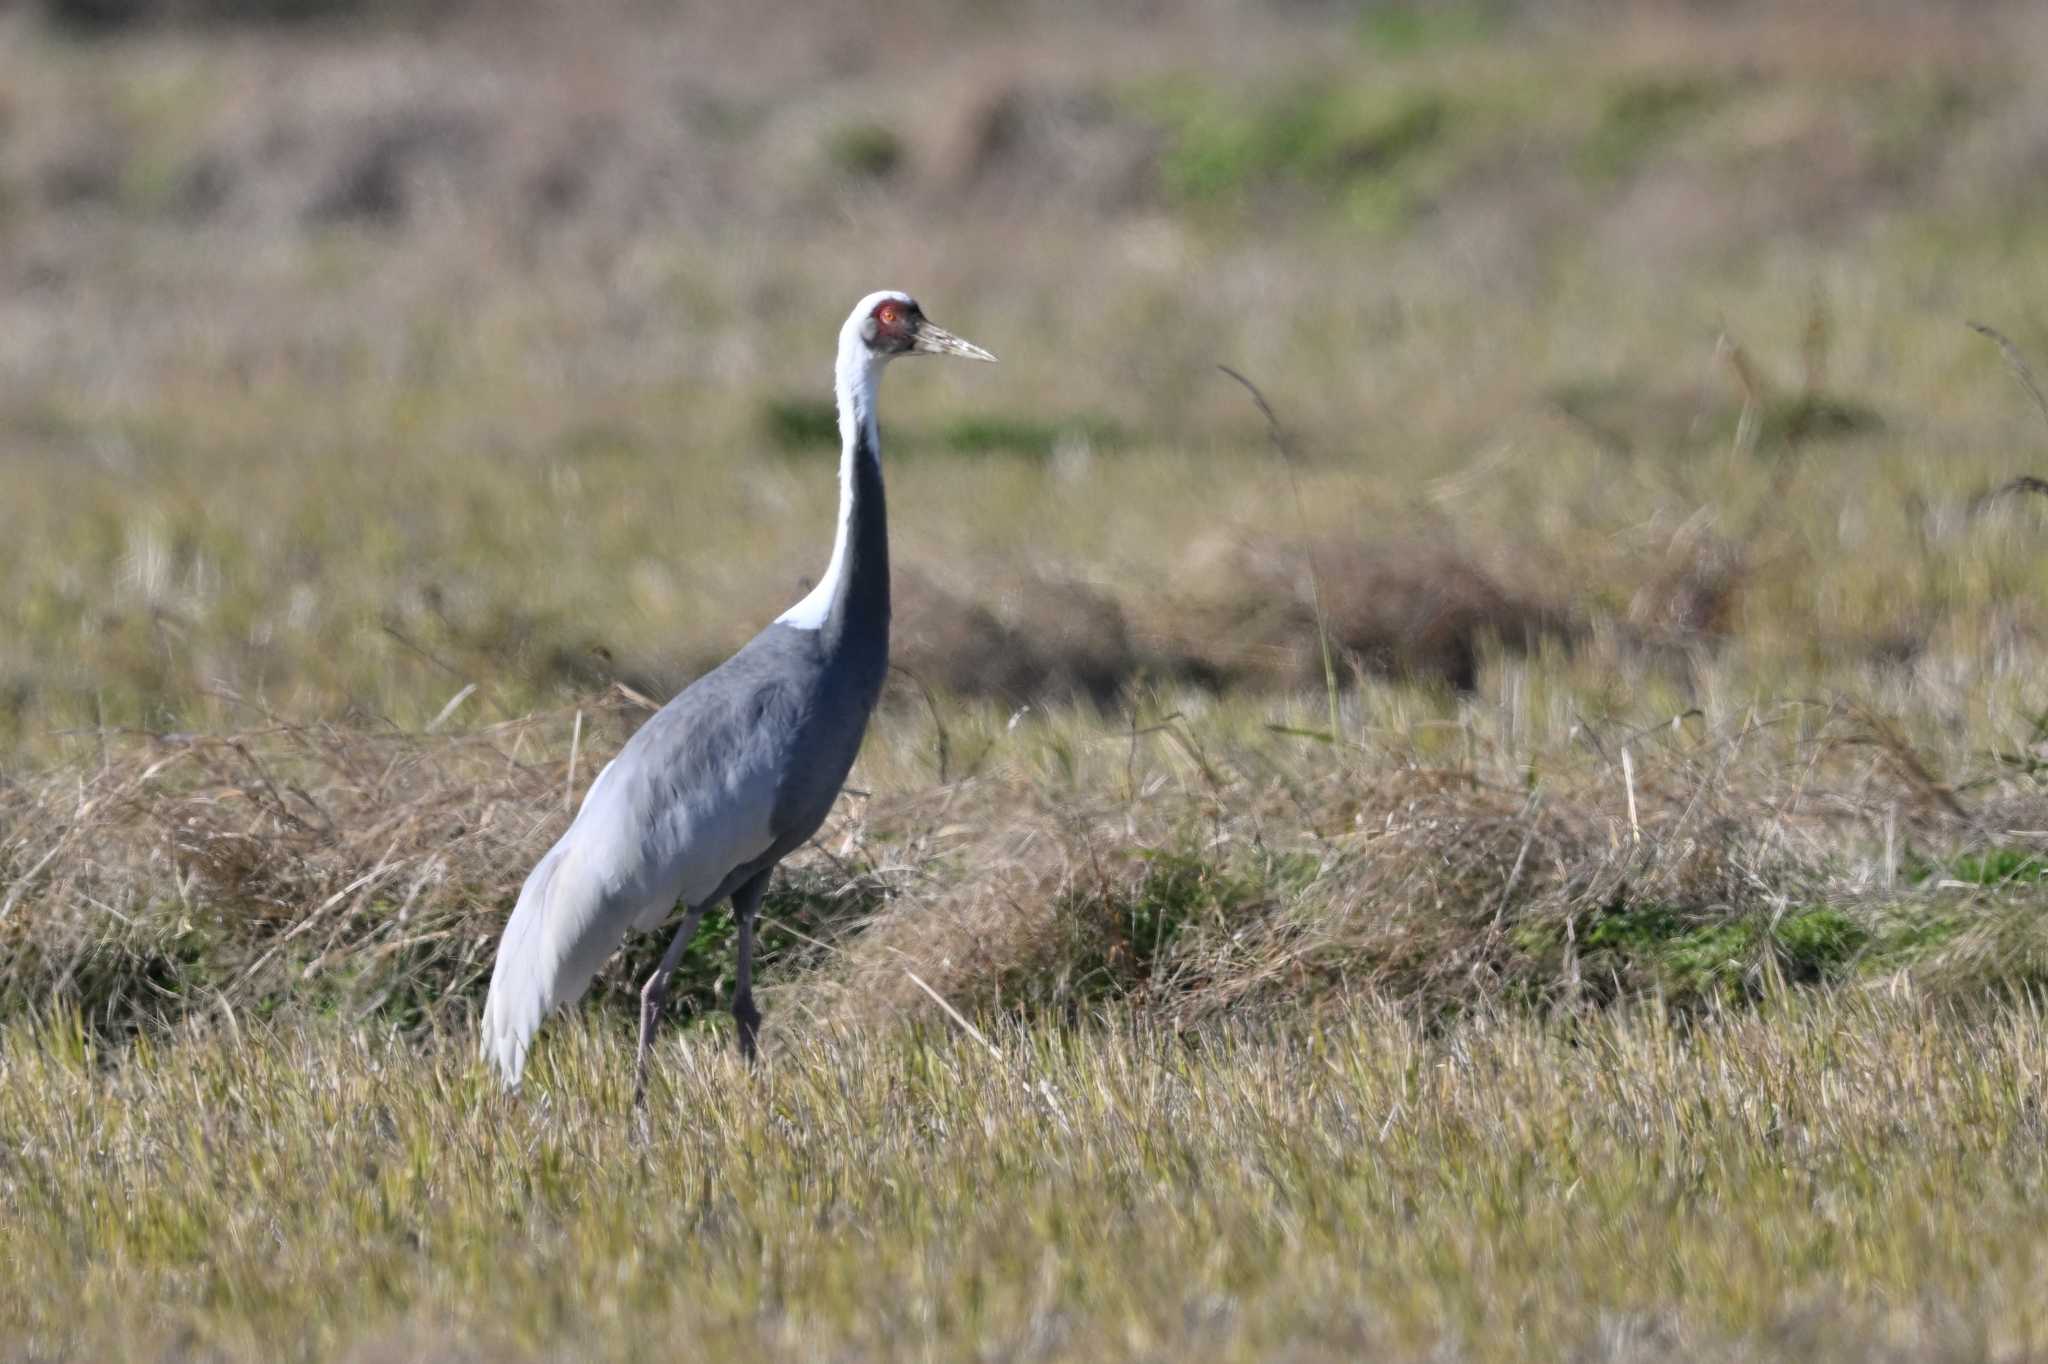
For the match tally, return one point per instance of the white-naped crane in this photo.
(735, 772)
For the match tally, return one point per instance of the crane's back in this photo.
(789, 709)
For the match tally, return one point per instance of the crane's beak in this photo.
(930, 340)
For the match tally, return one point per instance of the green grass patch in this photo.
(868, 151)
(1911, 936)
(1991, 868)
(1368, 144)
(1911, 117)
(1811, 417)
(1694, 957)
(800, 424)
(811, 425)
(1115, 936)
(1012, 434)
(1407, 28)
(1641, 115)
(1689, 958)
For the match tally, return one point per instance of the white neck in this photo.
(855, 376)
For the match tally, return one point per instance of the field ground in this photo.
(1638, 957)
(1831, 1180)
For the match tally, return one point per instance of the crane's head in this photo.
(890, 323)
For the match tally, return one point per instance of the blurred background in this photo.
(354, 352)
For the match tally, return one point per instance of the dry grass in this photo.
(1195, 864)
(1836, 1180)
(1412, 608)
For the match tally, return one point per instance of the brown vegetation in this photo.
(1053, 642)
(377, 384)
(160, 877)
(1405, 606)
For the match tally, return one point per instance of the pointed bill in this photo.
(931, 340)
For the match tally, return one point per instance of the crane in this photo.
(735, 772)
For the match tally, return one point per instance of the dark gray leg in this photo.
(655, 993)
(745, 902)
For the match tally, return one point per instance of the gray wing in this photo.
(689, 799)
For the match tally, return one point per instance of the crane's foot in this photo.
(749, 1020)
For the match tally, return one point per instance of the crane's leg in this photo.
(655, 994)
(746, 901)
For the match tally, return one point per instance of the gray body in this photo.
(737, 771)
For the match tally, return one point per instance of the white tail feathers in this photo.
(520, 988)
(559, 934)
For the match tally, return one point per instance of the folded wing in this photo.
(688, 801)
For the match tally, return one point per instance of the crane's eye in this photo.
(888, 314)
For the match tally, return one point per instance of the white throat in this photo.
(854, 378)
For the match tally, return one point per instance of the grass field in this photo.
(1638, 958)
(1839, 1180)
